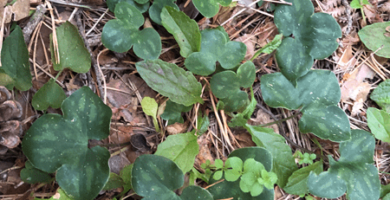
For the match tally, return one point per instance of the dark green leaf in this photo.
(122, 33)
(195, 192)
(283, 160)
(49, 95)
(56, 143)
(210, 8)
(164, 78)
(172, 112)
(157, 7)
(246, 74)
(115, 181)
(141, 7)
(15, 64)
(224, 84)
(181, 149)
(125, 174)
(184, 29)
(242, 118)
(297, 182)
(32, 175)
(235, 102)
(381, 95)
(72, 52)
(354, 173)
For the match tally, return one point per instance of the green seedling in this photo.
(359, 4)
(122, 33)
(305, 158)
(210, 8)
(150, 107)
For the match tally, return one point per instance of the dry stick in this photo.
(104, 79)
(47, 73)
(349, 17)
(35, 51)
(239, 12)
(34, 20)
(97, 22)
(186, 4)
(44, 49)
(33, 36)
(55, 41)
(279, 2)
(368, 57)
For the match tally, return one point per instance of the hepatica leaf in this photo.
(32, 175)
(376, 35)
(316, 100)
(173, 111)
(122, 33)
(141, 7)
(354, 173)
(378, 121)
(56, 143)
(210, 8)
(180, 148)
(15, 64)
(172, 81)
(381, 95)
(215, 47)
(49, 95)
(297, 182)
(157, 7)
(73, 54)
(314, 37)
(184, 29)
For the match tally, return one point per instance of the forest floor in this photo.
(359, 72)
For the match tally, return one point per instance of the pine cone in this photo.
(10, 127)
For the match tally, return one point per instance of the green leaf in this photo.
(283, 161)
(215, 47)
(164, 78)
(355, 4)
(181, 149)
(155, 10)
(387, 197)
(6, 81)
(72, 52)
(385, 189)
(125, 174)
(210, 8)
(354, 172)
(269, 47)
(15, 64)
(236, 102)
(172, 112)
(195, 192)
(142, 1)
(234, 168)
(141, 7)
(224, 84)
(316, 100)
(228, 189)
(203, 124)
(56, 143)
(150, 107)
(297, 182)
(155, 177)
(49, 95)
(60, 195)
(378, 121)
(32, 175)
(381, 95)
(374, 36)
(184, 29)
(122, 33)
(314, 37)
(115, 181)
(242, 118)
(246, 74)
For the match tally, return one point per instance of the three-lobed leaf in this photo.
(122, 33)
(49, 95)
(184, 29)
(317, 102)
(15, 69)
(56, 143)
(171, 81)
(210, 8)
(353, 173)
(72, 52)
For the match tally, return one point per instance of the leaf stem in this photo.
(59, 73)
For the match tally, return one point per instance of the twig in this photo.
(101, 72)
(97, 22)
(279, 2)
(55, 41)
(34, 20)
(349, 17)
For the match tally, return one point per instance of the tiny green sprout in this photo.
(219, 167)
(305, 158)
(268, 179)
(252, 180)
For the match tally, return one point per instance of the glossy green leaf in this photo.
(32, 175)
(15, 64)
(172, 112)
(56, 143)
(242, 118)
(155, 177)
(181, 149)
(269, 47)
(215, 47)
(195, 192)
(283, 160)
(155, 10)
(115, 181)
(381, 95)
(122, 33)
(72, 51)
(171, 81)
(228, 189)
(60, 195)
(141, 7)
(49, 95)
(353, 173)
(297, 182)
(246, 74)
(209, 8)
(314, 37)
(375, 36)
(379, 123)
(183, 28)
(150, 107)
(316, 100)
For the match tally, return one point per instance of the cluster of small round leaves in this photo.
(305, 158)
